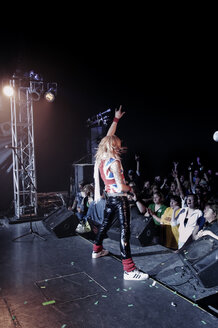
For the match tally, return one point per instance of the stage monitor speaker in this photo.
(142, 229)
(61, 222)
(202, 258)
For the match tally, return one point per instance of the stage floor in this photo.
(55, 283)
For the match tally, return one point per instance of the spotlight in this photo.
(8, 90)
(215, 136)
(49, 95)
(51, 92)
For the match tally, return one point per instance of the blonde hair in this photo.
(110, 146)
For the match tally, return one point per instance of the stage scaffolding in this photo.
(23, 150)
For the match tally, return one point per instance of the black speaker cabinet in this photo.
(61, 222)
(142, 229)
(202, 258)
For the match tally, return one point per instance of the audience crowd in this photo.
(183, 205)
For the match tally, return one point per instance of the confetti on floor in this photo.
(48, 303)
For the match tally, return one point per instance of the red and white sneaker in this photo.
(103, 252)
(135, 275)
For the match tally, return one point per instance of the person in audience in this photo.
(211, 178)
(82, 209)
(173, 191)
(164, 188)
(154, 210)
(187, 218)
(154, 188)
(158, 181)
(195, 167)
(202, 195)
(157, 207)
(194, 183)
(184, 183)
(210, 227)
(133, 177)
(78, 198)
(145, 195)
(108, 162)
(180, 190)
(170, 234)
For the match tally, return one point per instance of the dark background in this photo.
(163, 72)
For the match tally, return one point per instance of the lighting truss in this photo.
(23, 150)
(27, 88)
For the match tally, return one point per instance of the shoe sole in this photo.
(95, 256)
(136, 279)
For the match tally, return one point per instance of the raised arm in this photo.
(175, 175)
(113, 127)
(137, 165)
(191, 179)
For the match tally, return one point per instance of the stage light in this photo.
(215, 136)
(49, 95)
(8, 90)
(51, 92)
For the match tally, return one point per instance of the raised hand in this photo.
(198, 161)
(174, 174)
(113, 127)
(118, 112)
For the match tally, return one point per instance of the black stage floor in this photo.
(55, 283)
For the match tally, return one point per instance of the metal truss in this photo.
(23, 151)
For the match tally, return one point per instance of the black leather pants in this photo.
(117, 206)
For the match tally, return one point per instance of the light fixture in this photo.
(49, 95)
(35, 76)
(215, 136)
(8, 90)
(36, 90)
(51, 92)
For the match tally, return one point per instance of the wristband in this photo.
(115, 119)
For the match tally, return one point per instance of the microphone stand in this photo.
(31, 231)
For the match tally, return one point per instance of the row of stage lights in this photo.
(37, 87)
(9, 92)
